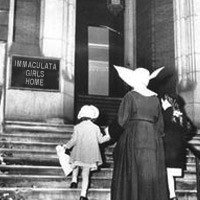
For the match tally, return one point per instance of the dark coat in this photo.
(174, 143)
(177, 135)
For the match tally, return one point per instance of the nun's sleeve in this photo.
(159, 125)
(115, 130)
(124, 110)
(116, 127)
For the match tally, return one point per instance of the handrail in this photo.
(198, 176)
(197, 162)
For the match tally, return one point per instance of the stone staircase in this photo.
(32, 170)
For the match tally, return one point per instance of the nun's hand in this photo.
(165, 104)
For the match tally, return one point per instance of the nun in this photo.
(139, 163)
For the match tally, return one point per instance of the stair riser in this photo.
(50, 182)
(42, 147)
(186, 196)
(13, 139)
(191, 168)
(29, 146)
(51, 153)
(191, 159)
(186, 184)
(41, 155)
(189, 176)
(31, 194)
(33, 139)
(58, 171)
(36, 161)
(45, 171)
(39, 134)
(62, 182)
(61, 194)
(46, 128)
(54, 162)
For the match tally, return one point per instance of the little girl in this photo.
(85, 147)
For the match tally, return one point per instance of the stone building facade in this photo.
(88, 39)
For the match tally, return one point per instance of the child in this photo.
(85, 147)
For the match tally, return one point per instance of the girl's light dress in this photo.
(85, 145)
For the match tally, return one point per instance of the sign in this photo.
(35, 73)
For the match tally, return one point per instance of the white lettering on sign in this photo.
(35, 73)
(32, 72)
(35, 64)
(34, 81)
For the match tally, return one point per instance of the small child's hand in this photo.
(107, 132)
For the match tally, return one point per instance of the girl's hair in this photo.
(85, 118)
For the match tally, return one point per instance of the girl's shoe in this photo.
(73, 185)
(174, 198)
(83, 198)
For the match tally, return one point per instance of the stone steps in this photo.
(34, 138)
(39, 153)
(38, 181)
(186, 194)
(37, 126)
(46, 170)
(32, 167)
(56, 193)
(98, 180)
(73, 194)
(35, 160)
(45, 146)
(60, 181)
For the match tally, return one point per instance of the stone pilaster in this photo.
(187, 50)
(57, 39)
(2, 79)
(130, 33)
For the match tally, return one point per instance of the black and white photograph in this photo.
(99, 100)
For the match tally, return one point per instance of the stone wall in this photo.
(38, 33)
(155, 33)
(4, 10)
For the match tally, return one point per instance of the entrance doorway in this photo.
(99, 46)
(98, 61)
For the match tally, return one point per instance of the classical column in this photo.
(57, 39)
(130, 33)
(2, 82)
(5, 63)
(187, 53)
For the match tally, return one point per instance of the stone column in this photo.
(5, 63)
(130, 33)
(2, 81)
(187, 53)
(57, 39)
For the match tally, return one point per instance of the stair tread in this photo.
(52, 188)
(66, 136)
(19, 176)
(46, 175)
(8, 122)
(40, 167)
(33, 151)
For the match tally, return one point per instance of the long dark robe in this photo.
(139, 162)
